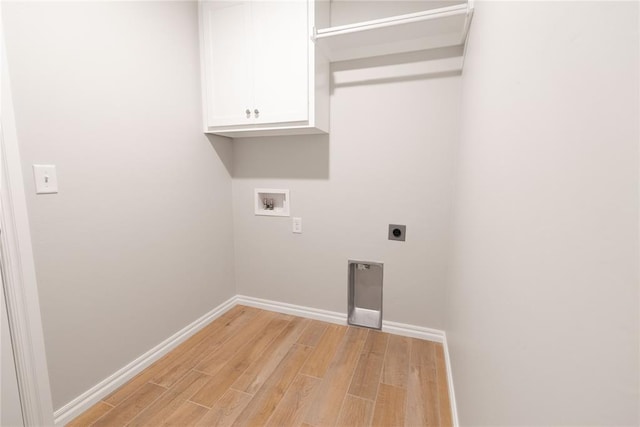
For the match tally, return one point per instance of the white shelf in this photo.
(429, 29)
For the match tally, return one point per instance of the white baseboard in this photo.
(341, 318)
(90, 397)
(83, 402)
(296, 310)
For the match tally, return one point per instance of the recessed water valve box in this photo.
(271, 202)
(397, 232)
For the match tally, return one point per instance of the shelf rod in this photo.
(392, 21)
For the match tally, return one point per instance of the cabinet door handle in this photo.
(256, 112)
(248, 113)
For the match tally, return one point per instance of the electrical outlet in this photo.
(297, 225)
(397, 232)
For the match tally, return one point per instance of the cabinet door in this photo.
(280, 53)
(228, 66)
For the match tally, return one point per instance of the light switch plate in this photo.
(46, 179)
(297, 225)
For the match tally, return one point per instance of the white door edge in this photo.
(23, 307)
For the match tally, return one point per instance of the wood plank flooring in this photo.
(252, 367)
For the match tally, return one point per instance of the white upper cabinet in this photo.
(261, 73)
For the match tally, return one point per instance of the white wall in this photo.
(388, 159)
(543, 304)
(138, 242)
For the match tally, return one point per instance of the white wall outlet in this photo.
(46, 179)
(297, 225)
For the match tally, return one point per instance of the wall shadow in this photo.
(224, 148)
(400, 67)
(281, 157)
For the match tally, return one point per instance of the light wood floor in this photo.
(255, 367)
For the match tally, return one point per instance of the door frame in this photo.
(19, 274)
